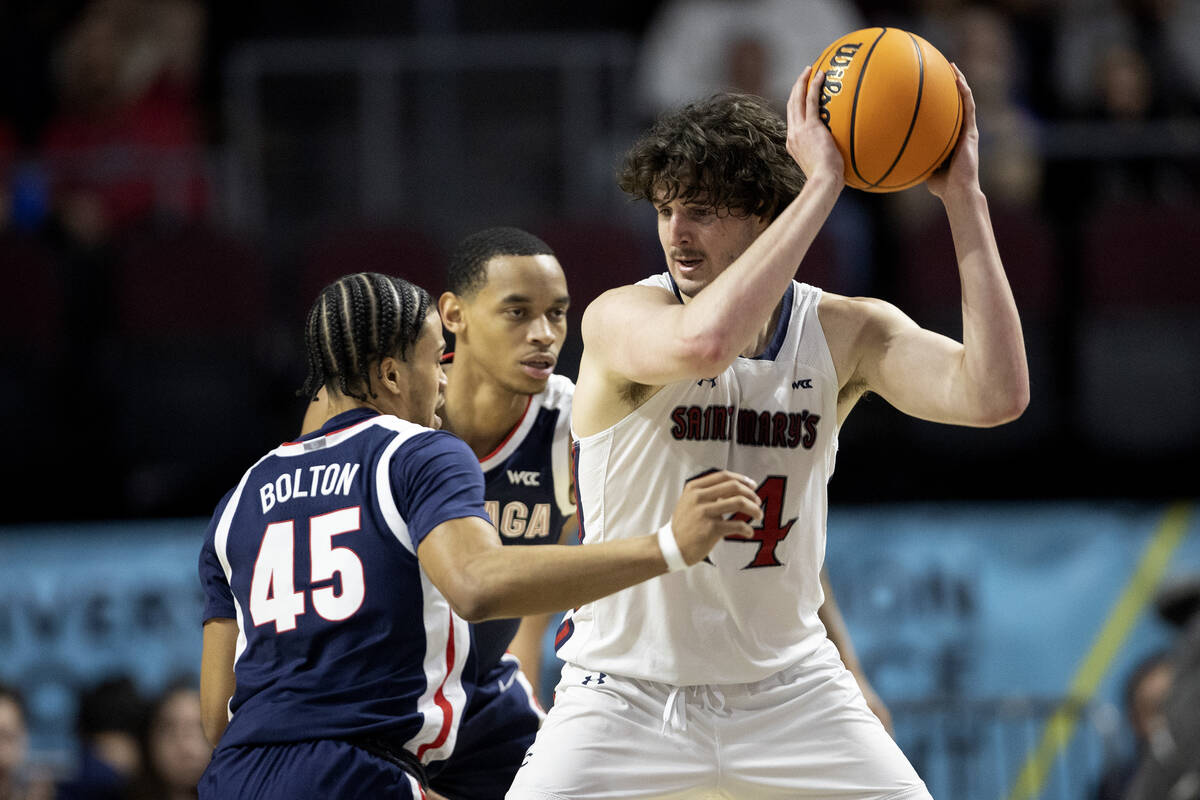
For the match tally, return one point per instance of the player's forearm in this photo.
(730, 315)
(994, 363)
(518, 581)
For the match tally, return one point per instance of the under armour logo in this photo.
(712, 382)
(803, 383)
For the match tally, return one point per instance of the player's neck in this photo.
(478, 410)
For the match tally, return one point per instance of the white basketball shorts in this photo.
(805, 732)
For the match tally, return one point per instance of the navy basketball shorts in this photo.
(498, 727)
(315, 770)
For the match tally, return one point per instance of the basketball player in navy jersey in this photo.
(341, 571)
(506, 303)
(719, 679)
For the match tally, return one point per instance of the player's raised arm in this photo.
(482, 579)
(642, 334)
(982, 381)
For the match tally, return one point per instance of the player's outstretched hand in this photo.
(962, 171)
(702, 515)
(808, 140)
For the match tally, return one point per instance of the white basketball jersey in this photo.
(751, 609)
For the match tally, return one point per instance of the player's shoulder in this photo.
(429, 443)
(853, 309)
(657, 289)
(851, 324)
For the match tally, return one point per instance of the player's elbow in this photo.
(1005, 406)
(707, 352)
(214, 722)
(471, 607)
(475, 598)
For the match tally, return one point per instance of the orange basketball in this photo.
(891, 102)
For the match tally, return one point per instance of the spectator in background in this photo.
(126, 141)
(1145, 690)
(174, 750)
(15, 781)
(1170, 766)
(1131, 61)
(695, 48)
(109, 724)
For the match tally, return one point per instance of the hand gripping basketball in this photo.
(701, 517)
(809, 141)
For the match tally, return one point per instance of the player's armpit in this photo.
(217, 681)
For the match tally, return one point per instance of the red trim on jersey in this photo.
(448, 358)
(499, 447)
(440, 699)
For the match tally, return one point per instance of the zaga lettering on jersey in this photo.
(745, 426)
(321, 479)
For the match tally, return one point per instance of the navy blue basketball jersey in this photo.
(527, 489)
(314, 554)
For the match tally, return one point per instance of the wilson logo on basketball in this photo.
(833, 76)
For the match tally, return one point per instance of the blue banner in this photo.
(974, 622)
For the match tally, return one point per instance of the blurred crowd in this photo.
(125, 253)
(128, 747)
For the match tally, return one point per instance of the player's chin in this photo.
(526, 384)
(691, 286)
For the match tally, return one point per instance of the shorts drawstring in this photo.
(675, 711)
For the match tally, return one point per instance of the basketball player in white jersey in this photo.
(718, 680)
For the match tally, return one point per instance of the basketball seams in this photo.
(862, 71)
(912, 123)
(937, 162)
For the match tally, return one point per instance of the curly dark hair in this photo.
(728, 152)
(355, 322)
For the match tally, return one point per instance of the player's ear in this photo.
(450, 307)
(392, 375)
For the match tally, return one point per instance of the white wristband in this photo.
(670, 549)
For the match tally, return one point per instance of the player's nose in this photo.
(541, 330)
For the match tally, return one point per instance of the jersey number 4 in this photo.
(273, 595)
(772, 530)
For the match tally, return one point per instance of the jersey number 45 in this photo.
(273, 595)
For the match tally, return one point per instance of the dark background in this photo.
(161, 240)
